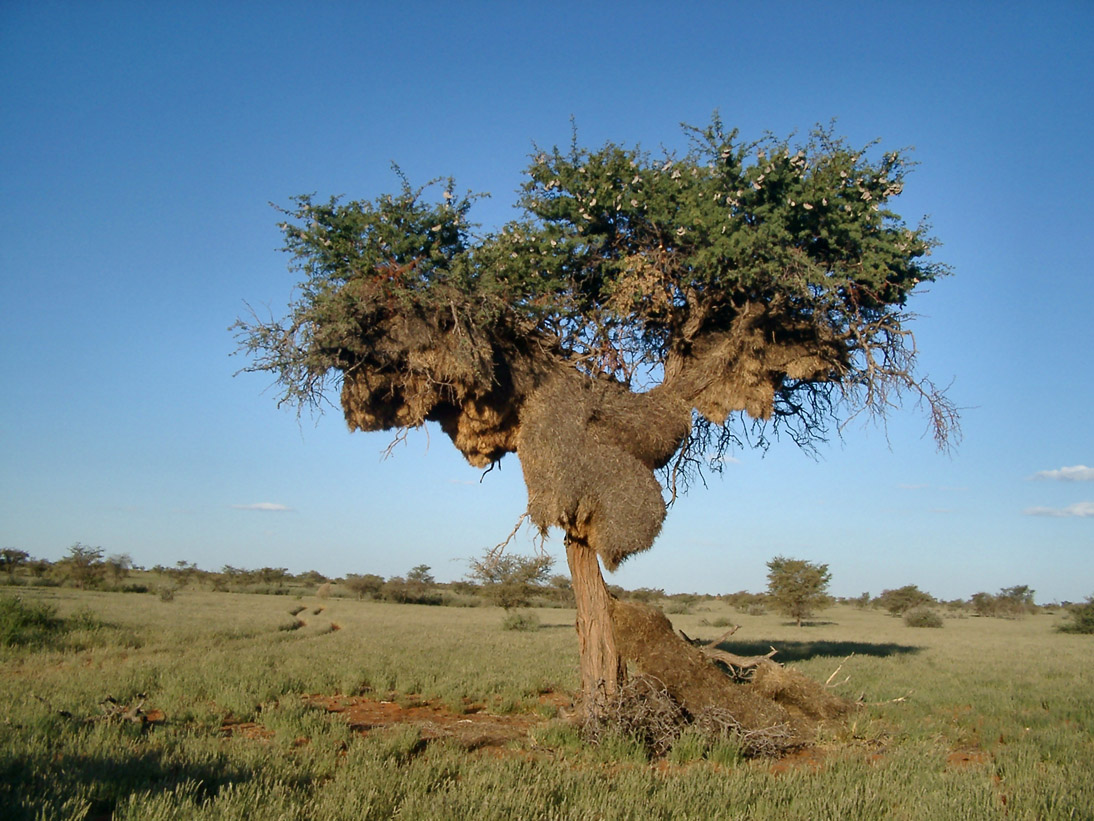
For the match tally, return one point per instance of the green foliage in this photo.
(620, 261)
(33, 623)
(84, 565)
(922, 616)
(508, 580)
(520, 621)
(1010, 603)
(1080, 618)
(12, 558)
(902, 599)
(368, 584)
(796, 588)
(420, 575)
(744, 602)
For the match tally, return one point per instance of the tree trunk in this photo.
(602, 669)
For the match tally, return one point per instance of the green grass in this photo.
(1014, 700)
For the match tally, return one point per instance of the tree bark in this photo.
(602, 669)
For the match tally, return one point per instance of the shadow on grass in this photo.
(801, 650)
(106, 780)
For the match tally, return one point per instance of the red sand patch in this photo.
(808, 759)
(967, 758)
(473, 729)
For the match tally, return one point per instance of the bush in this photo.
(520, 621)
(903, 599)
(33, 624)
(1082, 618)
(922, 616)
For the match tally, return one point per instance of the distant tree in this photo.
(397, 590)
(797, 588)
(368, 584)
(273, 575)
(311, 577)
(1016, 601)
(84, 565)
(420, 575)
(861, 602)
(509, 581)
(11, 559)
(1010, 602)
(119, 565)
(903, 598)
(1081, 618)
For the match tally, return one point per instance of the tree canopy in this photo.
(767, 277)
(797, 587)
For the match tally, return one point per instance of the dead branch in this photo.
(835, 672)
(499, 548)
(739, 662)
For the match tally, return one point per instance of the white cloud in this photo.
(726, 459)
(264, 506)
(1081, 509)
(1078, 473)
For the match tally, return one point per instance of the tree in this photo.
(643, 315)
(1080, 618)
(796, 588)
(119, 565)
(367, 585)
(903, 598)
(85, 565)
(420, 575)
(508, 580)
(12, 558)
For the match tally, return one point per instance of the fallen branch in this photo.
(835, 672)
(736, 663)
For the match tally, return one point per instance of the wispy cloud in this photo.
(1078, 473)
(912, 487)
(266, 507)
(1080, 509)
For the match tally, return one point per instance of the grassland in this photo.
(985, 718)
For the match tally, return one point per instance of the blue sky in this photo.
(141, 145)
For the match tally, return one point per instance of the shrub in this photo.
(28, 623)
(1082, 618)
(922, 616)
(903, 599)
(520, 621)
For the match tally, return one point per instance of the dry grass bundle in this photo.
(645, 636)
(742, 368)
(588, 452)
(792, 689)
(645, 710)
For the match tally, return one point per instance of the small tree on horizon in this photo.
(12, 558)
(509, 580)
(901, 599)
(84, 565)
(368, 584)
(797, 588)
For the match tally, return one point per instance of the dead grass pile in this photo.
(588, 449)
(777, 710)
(742, 369)
(645, 711)
(796, 691)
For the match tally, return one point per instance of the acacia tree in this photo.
(796, 587)
(642, 316)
